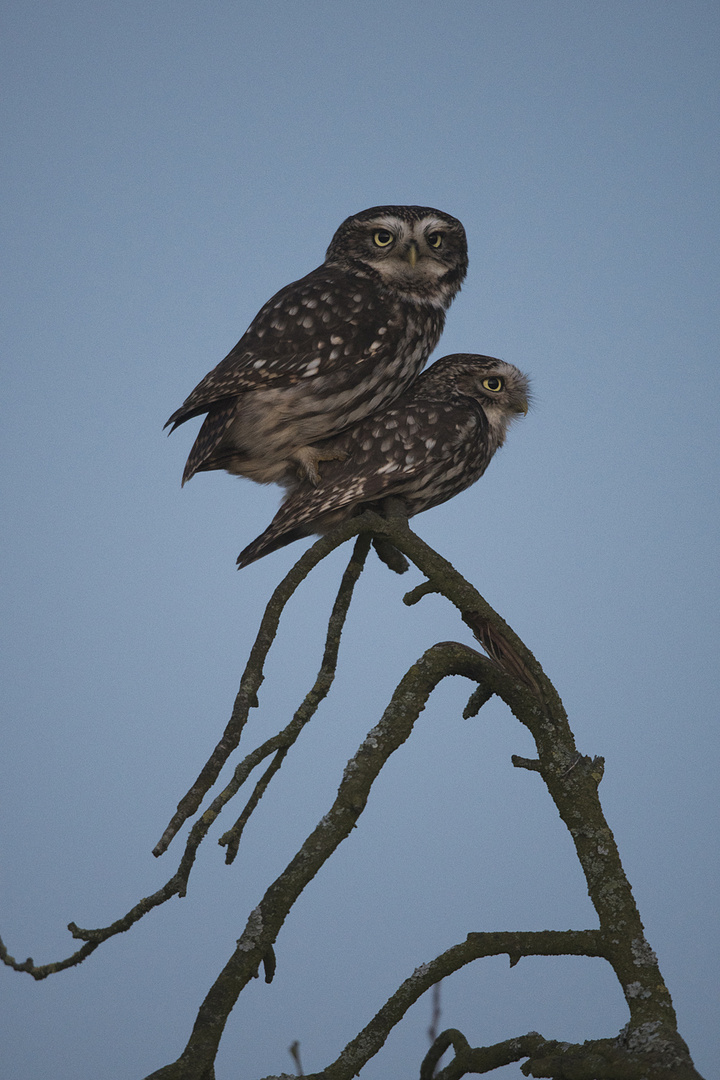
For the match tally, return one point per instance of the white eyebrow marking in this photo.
(432, 224)
(389, 221)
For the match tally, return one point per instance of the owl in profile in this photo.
(330, 349)
(434, 441)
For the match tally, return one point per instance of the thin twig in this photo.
(177, 884)
(266, 920)
(252, 678)
(314, 696)
(649, 1046)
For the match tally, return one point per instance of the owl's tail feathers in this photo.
(206, 453)
(294, 521)
(271, 540)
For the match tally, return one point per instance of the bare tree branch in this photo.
(515, 943)
(265, 922)
(177, 884)
(648, 1048)
(480, 1060)
(253, 675)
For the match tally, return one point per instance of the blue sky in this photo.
(168, 167)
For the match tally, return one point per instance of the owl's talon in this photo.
(310, 457)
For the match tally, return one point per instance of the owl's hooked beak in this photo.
(523, 407)
(412, 254)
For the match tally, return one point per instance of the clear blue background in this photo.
(169, 166)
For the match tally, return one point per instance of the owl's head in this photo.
(415, 251)
(501, 389)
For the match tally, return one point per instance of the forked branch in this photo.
(651, 1041)
(649, 1047)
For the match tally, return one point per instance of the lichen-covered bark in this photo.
(361, 771)
(648, 1048)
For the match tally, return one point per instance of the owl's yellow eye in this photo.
(435, 239)
(493, 383)
(383, 238)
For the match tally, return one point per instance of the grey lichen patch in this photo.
(637, 990)
(350, 769)
(647, 1038)
(643, 955)
(252, 931)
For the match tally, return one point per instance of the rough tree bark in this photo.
(649, 1047)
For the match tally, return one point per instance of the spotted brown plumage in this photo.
(434, 441)
(331, 348)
